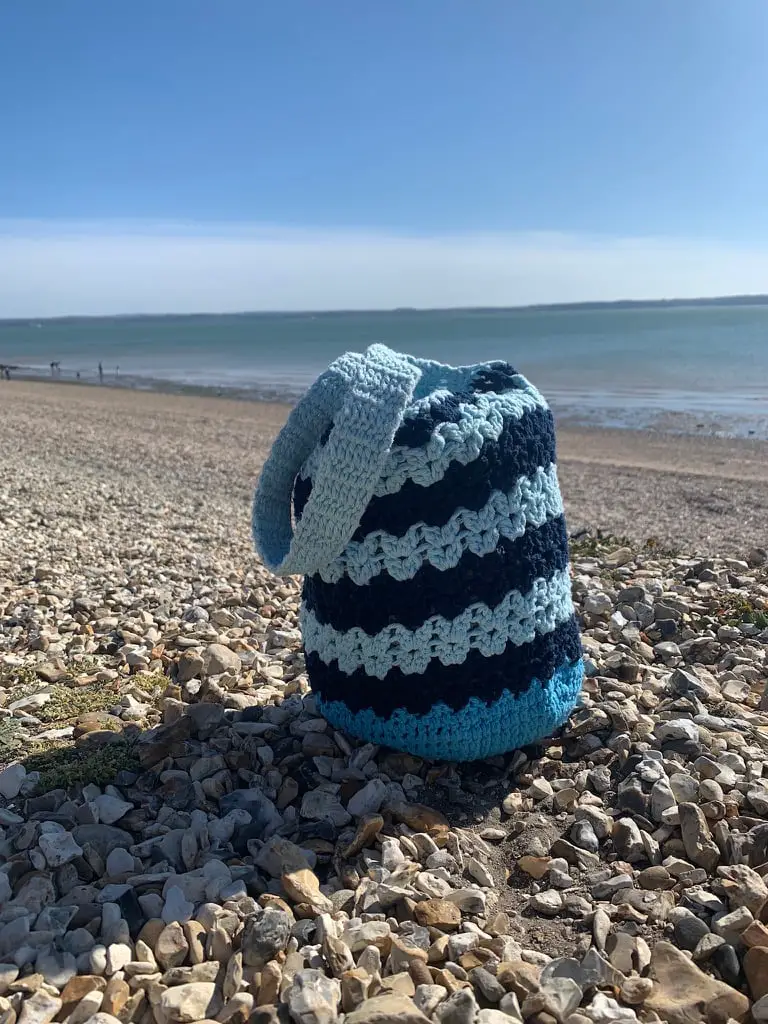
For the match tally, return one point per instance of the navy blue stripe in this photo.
(514, 565)
(478, 676)
(525, 444)
(416, 430)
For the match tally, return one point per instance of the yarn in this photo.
(436, 608)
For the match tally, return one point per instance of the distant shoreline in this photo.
(566, 307)
(599, 414)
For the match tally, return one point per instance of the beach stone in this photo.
(11, 780)
(278, 856)
(265, 936)
(726, 961)
(119, 862)
(368, 800)
(176, 906)
(59, 848)
(103, 838)
(755, 964)
(684, 994)
(190, 665)
(317, 805)
(699, 846)
(57, 968)
(387, 1009)
(86, 1008)
(111, 808)
(219, 659)
(171, 948)
(304, 887)
(313, 998)
(184, 1004)
(441, 914)
(627, 841)
(77, 987)
(39, 1008)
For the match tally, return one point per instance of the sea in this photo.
(672, 367)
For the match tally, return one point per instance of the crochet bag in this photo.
(428, 523)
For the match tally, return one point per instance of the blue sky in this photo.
(326, 152)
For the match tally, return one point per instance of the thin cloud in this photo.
(53, 268)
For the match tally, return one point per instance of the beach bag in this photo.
(428, 525)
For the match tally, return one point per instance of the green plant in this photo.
(69, 702)
(11, 735)
(63, 766)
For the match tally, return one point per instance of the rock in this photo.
(171, 948)
(59, 848)
(317, 805)
(176, 906)
(111, 808)
(190, 664)
(39, 1008)
(459, 1008)
(683, 994)
(313, 998)
(441, 914)
(367, 800)
(265, 936)
(689, 931)
(197, 1001)
(11, 780)
(560, 996)
(726, 961)
(627, 841)
(536, 867)
(387, 1009)
(304, 887)
(119, 862)
(699, 846)
(103, 838)
(219, 659)
(421, 818)
(57, 968)
(278, 856)
(86, 1009)
(116, 995)
(549, 903)
(730, 926)
(755, 965)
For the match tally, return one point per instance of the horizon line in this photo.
(739, 299)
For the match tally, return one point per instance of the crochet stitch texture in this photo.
(436, 608)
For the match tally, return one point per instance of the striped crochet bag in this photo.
(428, 524)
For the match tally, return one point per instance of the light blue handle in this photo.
(363, 398)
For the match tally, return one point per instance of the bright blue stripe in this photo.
(477, 730)
(516, 620)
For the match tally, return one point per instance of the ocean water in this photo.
(688, 368)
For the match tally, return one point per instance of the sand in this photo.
(700, 494)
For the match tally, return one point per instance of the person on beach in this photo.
(101, 374)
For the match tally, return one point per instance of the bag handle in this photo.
(362, 398)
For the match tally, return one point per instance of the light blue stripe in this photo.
(480, 421)
(475, 732)
(518, 619)
(531, 502)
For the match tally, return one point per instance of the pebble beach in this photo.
(183, 838)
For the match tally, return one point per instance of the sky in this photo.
(224, 155)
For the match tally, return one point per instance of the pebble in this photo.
(247, 832)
